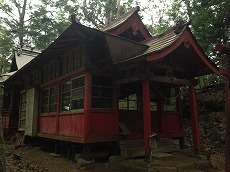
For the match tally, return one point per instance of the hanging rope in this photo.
(163, 95)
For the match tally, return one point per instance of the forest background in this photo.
(37, 23)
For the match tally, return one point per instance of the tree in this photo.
(6, 44)
(98, 13)
(15, 23)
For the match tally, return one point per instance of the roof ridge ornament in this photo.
(74, 19)
(180, 24)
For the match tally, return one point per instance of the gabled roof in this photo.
(129, 24)
(181, 46)
(120, 20)
(74, 35)
(22, 56)
(163, 40)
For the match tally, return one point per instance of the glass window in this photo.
(153, 99)
(23, 103)
(49, 100)
(77, 93)
(72, 94)
(128, 98)
(102, 92)
(65, 96)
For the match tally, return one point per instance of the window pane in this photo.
(78, 82)
(133, 105)
(66, 87)
(102, 92)
(45, 93)
(65, 106)
(53, 99)
(45, 100)
(66, 97)
(53, 91)
(45, 109)
(77, 93)
(78, 104)
(53, 107)
(23, 106)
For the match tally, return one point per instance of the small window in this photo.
(129, 98)
(49, 100)
(22, 119)
(72, 94)
(77, 93)
(170, 99)
(65, 96)
(153, 99)
(102, 92)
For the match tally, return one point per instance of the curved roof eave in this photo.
(186, 35)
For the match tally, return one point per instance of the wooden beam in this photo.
(175, 67)
(176, 81)
(130, 79)
(224, 71)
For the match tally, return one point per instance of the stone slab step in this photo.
(133, 152)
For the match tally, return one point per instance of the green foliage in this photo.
(5, 50)
(98, 13)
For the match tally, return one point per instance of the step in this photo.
(131, 144)
(132, 148)
(165, 149)
(133, 152)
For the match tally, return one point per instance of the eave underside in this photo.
(183, 62)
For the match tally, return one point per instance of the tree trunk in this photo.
(118, 9)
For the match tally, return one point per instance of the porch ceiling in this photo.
(178, 50)
(185, 63)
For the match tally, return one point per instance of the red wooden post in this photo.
(194, 118)
(87, 104)
(146, 115)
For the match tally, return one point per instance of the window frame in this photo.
(99, 96)
(71, 95)
(49, 103)
(21, 110)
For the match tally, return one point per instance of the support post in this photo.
(146, 115)
(194, 118)
(87, 104)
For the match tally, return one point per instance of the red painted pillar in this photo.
(87, 104)
(146, 115)
(194, 118)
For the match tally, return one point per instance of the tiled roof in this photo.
(121, 19)
(162, 41)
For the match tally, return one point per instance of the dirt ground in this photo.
(32, 159)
